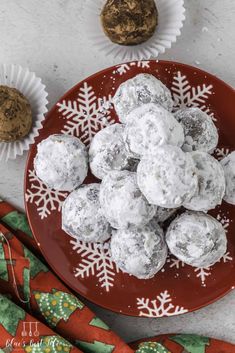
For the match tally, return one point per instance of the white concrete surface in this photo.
(47, 36)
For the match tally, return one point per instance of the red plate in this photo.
(87, 268)
(189, 344)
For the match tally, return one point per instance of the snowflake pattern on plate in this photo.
(95, 261)
(45, 199)
(159, 307)
(221, 153)
(124, 68)
(184, 95)
(202, 273)
(86, 115)
(224, 220)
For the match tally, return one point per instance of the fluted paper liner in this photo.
(170, 22)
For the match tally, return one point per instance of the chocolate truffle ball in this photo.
(200, 132)
(15, 115)
(129, 22)
(167, 176)
(211, 183)
(61, 162)
(149, 126)
(107, 151)
(228, 164)
(139, 251)
(122, 201)
(139, 90)
(82, 216)
(197, 239)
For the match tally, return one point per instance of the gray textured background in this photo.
(46, 36)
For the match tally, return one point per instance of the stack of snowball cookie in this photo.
(152, 165)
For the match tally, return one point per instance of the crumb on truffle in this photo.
(129, 22)
(15, 115)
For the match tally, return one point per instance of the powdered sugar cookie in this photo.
(200, 132)
(82, 216)
(167, 177)
(150, 126)
(139, 251)
(122, 201)
(228, 164)
(197, 239)
(107, 151)
(211, 183)
(61, 162)
(139, 90)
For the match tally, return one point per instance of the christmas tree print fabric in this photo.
(17, 222)
(30, 284)
(152, 347)
(20, 332)
(192, 343)
(57, 305)
(183, 344)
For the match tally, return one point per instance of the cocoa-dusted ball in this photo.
(15, 115)
(129, 22)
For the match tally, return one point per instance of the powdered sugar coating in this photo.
(139, 90)
(141, 251)
(228, 164)
(82, 216)
(211, 183)
(197, 239)
(149, 126)
(200, 132)
(107, 151)
(163, 214)
(167, 177)
(61, 162)
(122, 202)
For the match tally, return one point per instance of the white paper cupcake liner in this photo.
(33, 89)
(171, 17)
